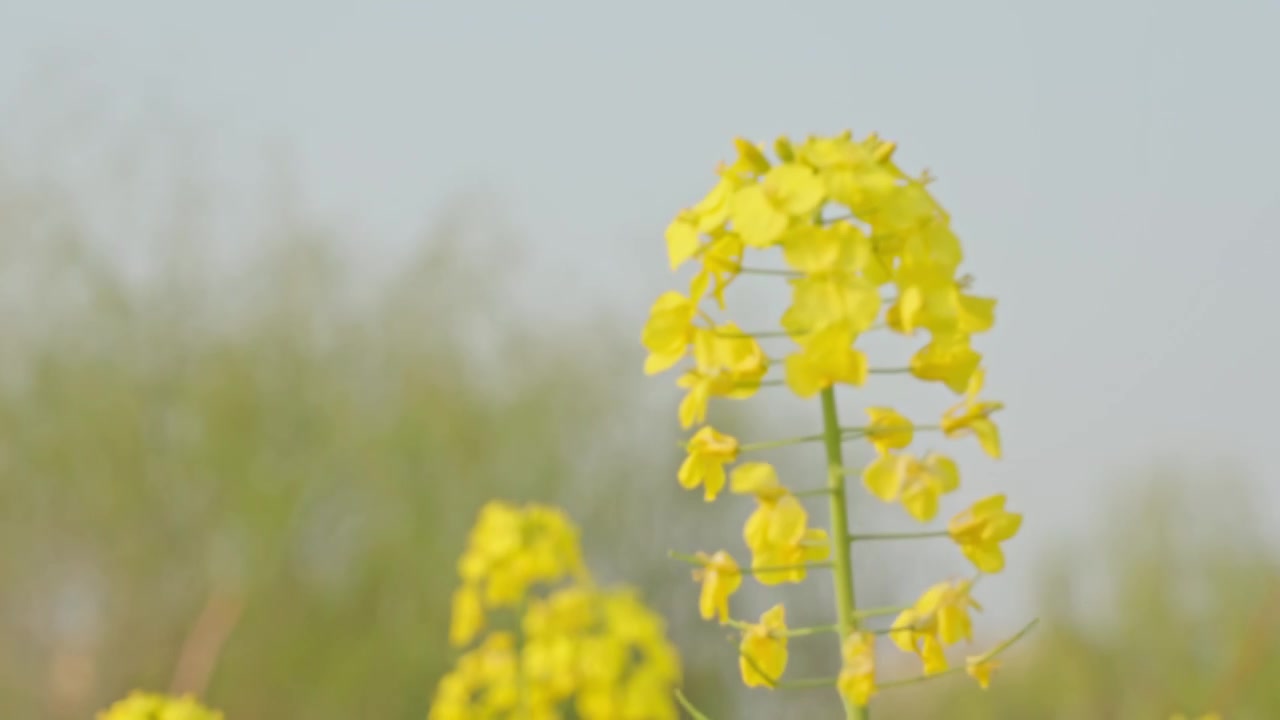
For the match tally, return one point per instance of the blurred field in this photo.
(253, 482)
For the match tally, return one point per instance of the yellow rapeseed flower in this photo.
(763, 652)
(973, 416)
(980, 529)
(787, 563)
(150, 706)
(467, 616)
(668, 331)
(888, 429)
(779, 519)
(721, 261)
(980, 669)
(762, 212)
(512, 548)
(919, 483)
(709, 452)
(857, 679)
(720, 578)
(728, 363)
(947, 358)
(825, 358)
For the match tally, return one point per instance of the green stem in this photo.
(771, 444)
(768, 271)
(788, 633)
(880, 611)
(842, 551)
(811, 492)
(899, 536)
(694, 712)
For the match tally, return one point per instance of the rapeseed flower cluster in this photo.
(150, 706)
(563, 647)
(864, 247)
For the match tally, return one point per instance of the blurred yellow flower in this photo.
(763, 652)
(857, 679)
(973, 416)
(980, 529)
(149, 706)
(668, 331)
(947, 358)
(919, 483)
(721, 261)
(709, 452)
(720, 578)
(467, 618)
(779, 519)
(826, 357)
(980, 669)
(888, 429)
(728, 363)
(761, 212)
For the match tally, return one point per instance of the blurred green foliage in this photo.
(295, 458)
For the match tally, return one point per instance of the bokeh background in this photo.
(288, 290)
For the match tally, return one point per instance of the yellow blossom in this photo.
(980, 668)
(825, 358)
(762, 211)
(684, 234)
(857, 680)
(841, 276)
(709, 452)
(668, 331)
(918, 482)
(947, 358)
(939, 617)
(510, 549)
(779, 519)
(763, 652)
(467, 617)
(682, 238)
(777, 564)
(149, 706)
(720, 578)
(973, 416)
(728, 363)
(750, 163)
(721, 262)
(781, 543)
(888, 429)
(980, 529)
(602, 650)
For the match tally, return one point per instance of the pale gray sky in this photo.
(1111, 167)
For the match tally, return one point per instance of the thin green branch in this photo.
(760, 335)
(785, 442)
(880, 611)
(789, 632)
(811, 492)
(694, 560)
(866, 537)
(694, 712)
(846, 433)
(741, 270)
